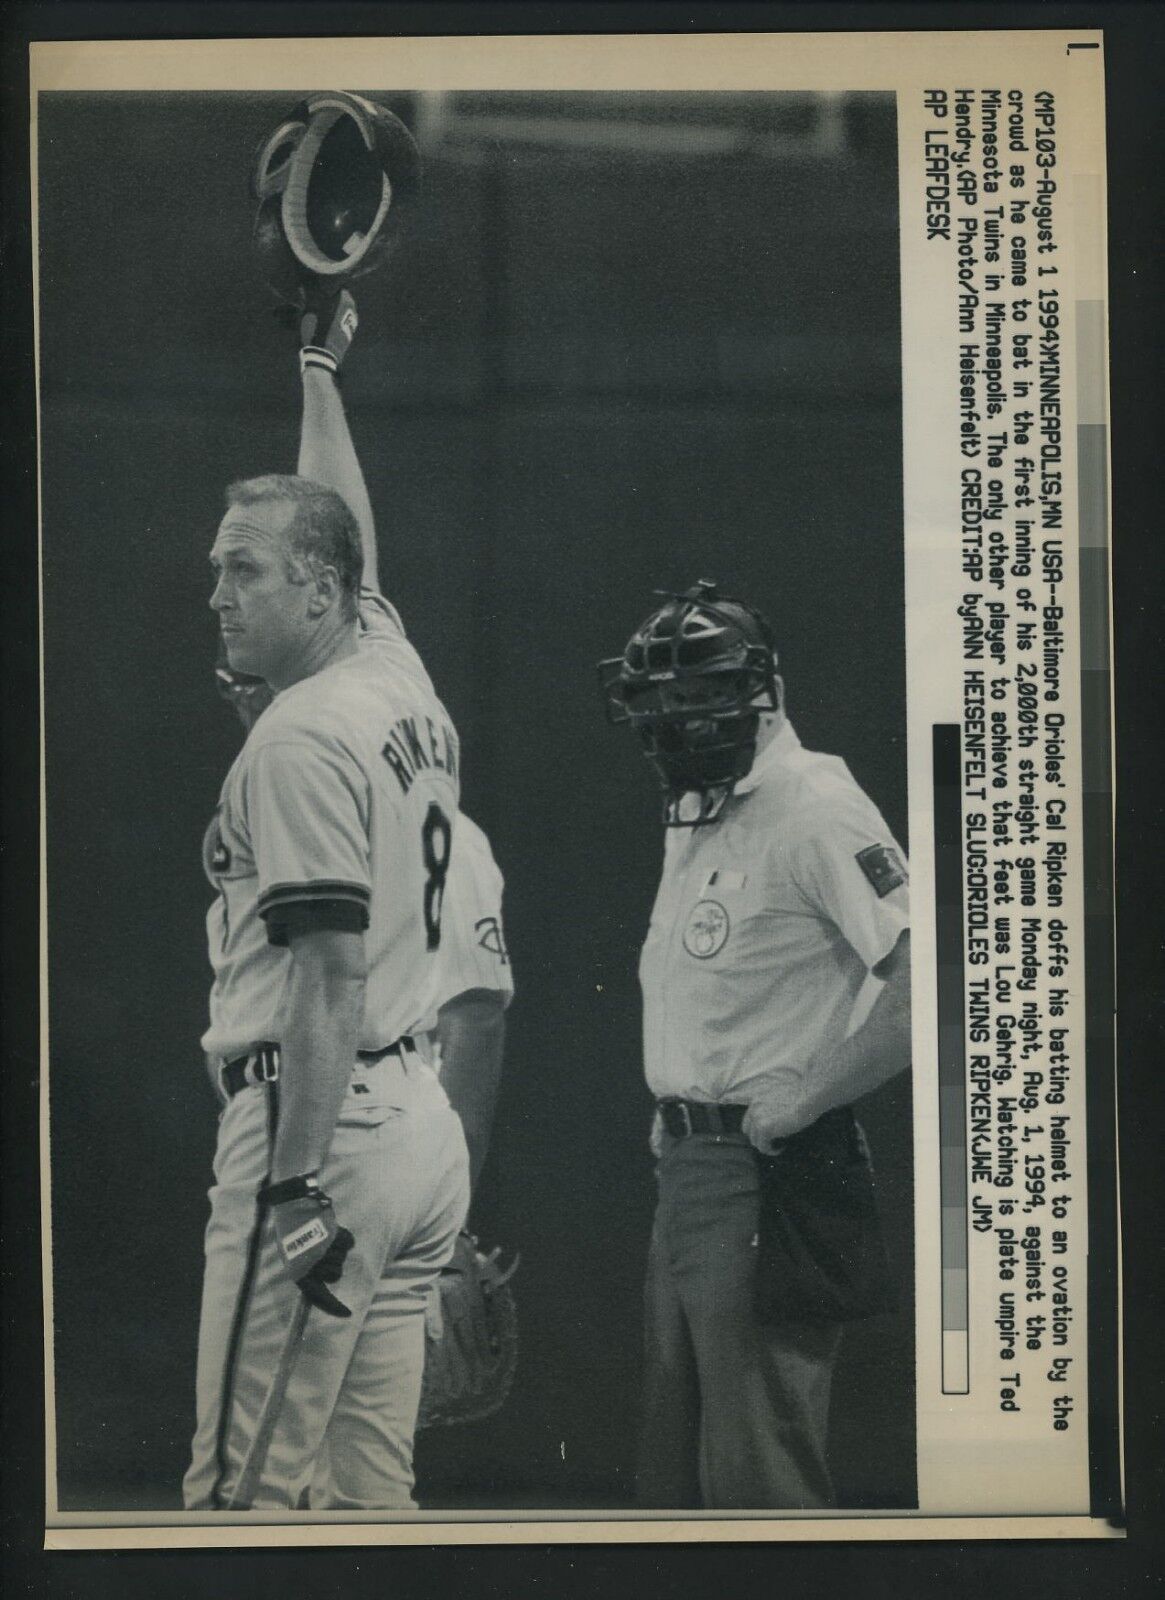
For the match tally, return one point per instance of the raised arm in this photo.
(326, 451)
(327, 455)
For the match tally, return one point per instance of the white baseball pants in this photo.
(342, 1438)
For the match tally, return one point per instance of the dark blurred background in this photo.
(633, 340)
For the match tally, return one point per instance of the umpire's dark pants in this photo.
(735, 1414)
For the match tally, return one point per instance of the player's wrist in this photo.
(303, 1186)
(326, 329)
(315, 359)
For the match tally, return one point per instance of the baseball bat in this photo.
(252, 1468)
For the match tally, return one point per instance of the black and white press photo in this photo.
(372, 423)
(497, 655)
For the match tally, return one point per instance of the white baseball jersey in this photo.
(473, 952)
(766, 927)
(339, 812)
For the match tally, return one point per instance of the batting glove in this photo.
(326, 329)
(311, 1242)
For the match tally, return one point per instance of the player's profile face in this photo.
(262, 609)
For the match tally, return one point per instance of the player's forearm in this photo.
(322, 1013)
(472, 1034)
(327, 455)
(873, 1054)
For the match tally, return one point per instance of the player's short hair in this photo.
(322, 532)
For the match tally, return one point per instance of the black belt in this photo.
(262, 1065)
(683, 1117)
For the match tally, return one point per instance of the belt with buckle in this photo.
(682, 1118)
(262, 1065)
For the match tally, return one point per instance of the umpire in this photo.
(781, 917)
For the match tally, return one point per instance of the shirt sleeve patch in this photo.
(883, 867)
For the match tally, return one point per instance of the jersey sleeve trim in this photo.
(280, 894)
(286, 921)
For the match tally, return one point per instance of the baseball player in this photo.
(341, 1173)
(783, 900)
(472, 975)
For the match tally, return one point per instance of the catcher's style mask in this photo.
(334, 181)
(693, 680)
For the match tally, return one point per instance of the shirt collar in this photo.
(775, 754)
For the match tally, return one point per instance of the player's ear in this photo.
(325, 590)
(779, 690)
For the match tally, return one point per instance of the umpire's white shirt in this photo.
(766, 926)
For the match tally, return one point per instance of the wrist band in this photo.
(274, 1194)
(313, 355)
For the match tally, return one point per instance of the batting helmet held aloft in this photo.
(693, 680)
(335, 181)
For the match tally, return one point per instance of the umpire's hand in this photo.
(311, 1242)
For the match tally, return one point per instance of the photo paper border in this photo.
(742, 61)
